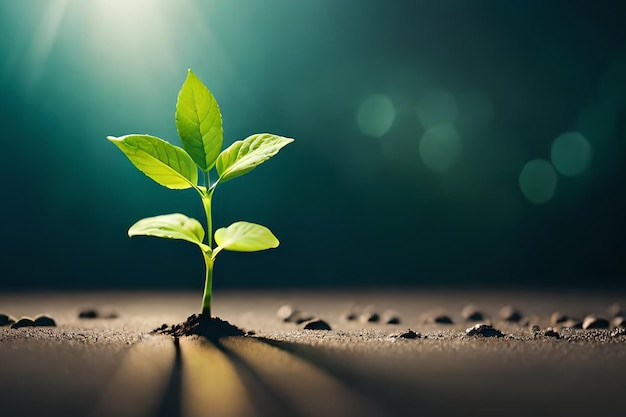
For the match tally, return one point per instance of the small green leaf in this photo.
(244, 155)
(171, 226)
(244, 237)
(199, 122)
(165, 163)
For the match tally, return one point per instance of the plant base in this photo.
(212, 328)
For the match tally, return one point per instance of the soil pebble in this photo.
(550, 332)
(390, 317)
(369, 317)
(23, 322)
(618, 332)
(442, 319)
(44, 321)
(408, 334)
(615, 310)
(510, 313)
(300, 317)
(212, 328)
(483, 330)
(572, 324)
(558, 318)
(350, 316)
(97, 313)
(437, 316)
(595, 322)
(316, 324)
(619, 321)
(286, 312)
(472, 313)
(6, 320)
(289, 314)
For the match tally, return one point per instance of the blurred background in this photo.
(454, 143)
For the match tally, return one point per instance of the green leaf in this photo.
(244, 237)
(245, 155)
(165, 163)
(171, 226)
(199, 122)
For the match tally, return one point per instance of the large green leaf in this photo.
(171, 226)
(165, 163)
(199, 122)
(245, 155)
(245, 237)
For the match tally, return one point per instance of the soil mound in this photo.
(212, 328)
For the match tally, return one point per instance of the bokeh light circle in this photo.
(571, 153)
(376, 115)
(440, 148)
(437, 107)
(538, 181)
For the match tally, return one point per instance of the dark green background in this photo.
(349, 209)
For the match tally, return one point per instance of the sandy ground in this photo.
(115, 367)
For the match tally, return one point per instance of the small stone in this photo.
(350, 316)
(483, 330)
(535, 328)
(510, 313)
(88, 314)
(573, 324)
(316, 324)
(615, 310)
(286, 312)
(390, 317)
(550, 332)
(23, 322)
(6, 320)
(472, 313)
(369, 317)
(618, 332)
(558, 318)
(594, 322)
(289, 314)
(439, 318)
(409, 334)
(619, 321)
(93, 313)
(300, 317)
(44, 321)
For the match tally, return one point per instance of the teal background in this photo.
(350, 209)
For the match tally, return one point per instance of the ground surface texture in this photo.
(111, 362)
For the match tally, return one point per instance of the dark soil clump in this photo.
(6, 320)
(316, 324)
(212, 328)
(409, 334)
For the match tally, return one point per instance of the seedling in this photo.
(199, 125)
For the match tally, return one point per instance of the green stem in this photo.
(206, 197)
(208, 284)
(206, 202)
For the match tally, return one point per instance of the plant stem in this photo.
(208, 284)
(206, 202)
(206, 197)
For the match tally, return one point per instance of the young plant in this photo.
(199, 125)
